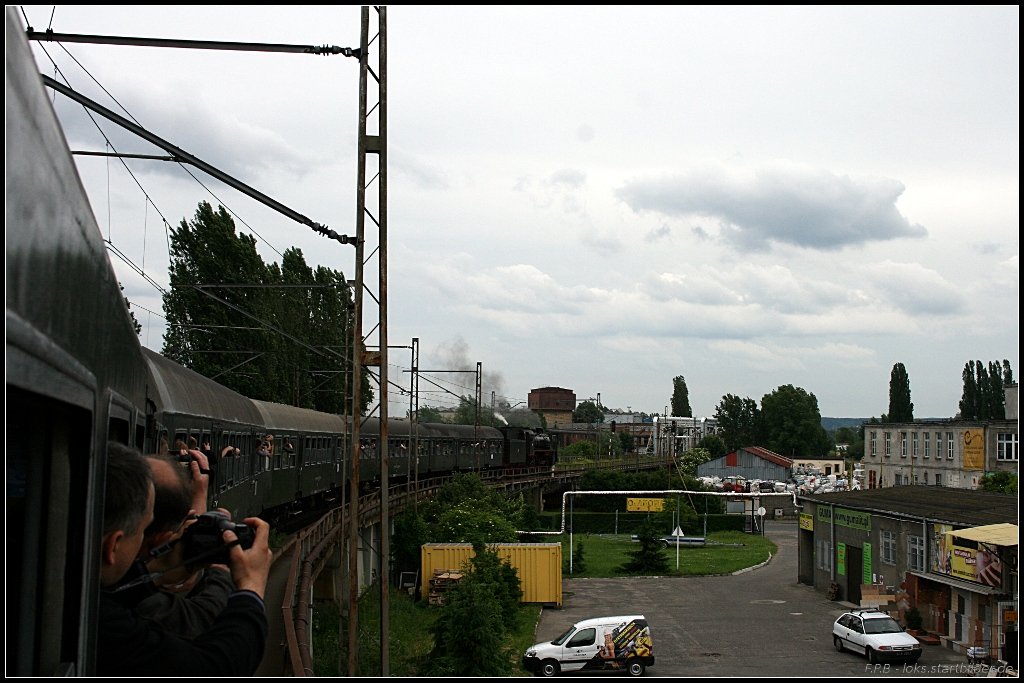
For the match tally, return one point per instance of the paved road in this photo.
(757, 623)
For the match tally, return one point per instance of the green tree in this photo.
(738, 420)
(901, 410)
(650, 558)
(680, 398)
(996, 398)
(692, 459)
(480, 609)
(581, 450)
(579, 562)
(626, 442)
(983, 395)
(999, 482)
(969, 399)
(330, 313)
(465, 510)
(854, 440)
(466, 414)
(714, 445)
(588, 411)
(272, 332)
(466, 523)
(411, 532)
(428, 415)
(791, 423)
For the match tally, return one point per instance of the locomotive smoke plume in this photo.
(454, 355)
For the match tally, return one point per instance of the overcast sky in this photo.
(603, 198)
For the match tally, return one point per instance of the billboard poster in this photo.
(966, 560)
(645, 504)
(974, 449)
(942, 558)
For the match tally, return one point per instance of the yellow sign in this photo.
(645, 504)
(806, 521)
(974, 449)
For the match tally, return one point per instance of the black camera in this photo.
(203, 538)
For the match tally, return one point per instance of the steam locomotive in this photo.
(77, 377)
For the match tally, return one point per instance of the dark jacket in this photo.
(129, 645)
(190, 614)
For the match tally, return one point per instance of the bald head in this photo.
(173, 493)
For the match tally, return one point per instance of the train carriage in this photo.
(309, 456)
(185, 403)
(75, 379)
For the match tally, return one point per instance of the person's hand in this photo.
(200, 469)
(251, 567)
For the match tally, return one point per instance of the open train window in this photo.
(50, 560)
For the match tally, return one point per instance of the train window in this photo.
(48, 532)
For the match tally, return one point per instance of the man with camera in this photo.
(129, 644)
(188, 605)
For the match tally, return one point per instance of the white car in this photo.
(876, 635)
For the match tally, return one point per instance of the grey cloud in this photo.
(569, 177)
(660, 233)
(915, 289)
(785, 204)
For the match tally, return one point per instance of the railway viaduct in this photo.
(312, 566)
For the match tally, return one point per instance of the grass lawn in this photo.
(725, 552)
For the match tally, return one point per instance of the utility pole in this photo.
(371, 143)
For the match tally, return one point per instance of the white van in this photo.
(601, 644)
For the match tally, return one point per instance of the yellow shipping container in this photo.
(539, 566)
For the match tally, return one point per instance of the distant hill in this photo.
(831, 424)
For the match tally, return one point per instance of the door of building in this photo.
(854, 573)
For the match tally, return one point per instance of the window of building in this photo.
(1006, 446)
(903, 444)
(950, 445)
(938, 478)
(888, 444)
(913, 445)
(823, 557)
(874, 444)
(915, 553)
(927, 444)
(888, 547)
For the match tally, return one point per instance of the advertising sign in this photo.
(967, 560)
(645, 504)
(866, 568)
(852, 519)
(974, 449)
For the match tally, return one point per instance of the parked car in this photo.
(601, 644)
(876, 635)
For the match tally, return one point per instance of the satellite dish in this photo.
(761, 511)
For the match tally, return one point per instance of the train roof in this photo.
(281, 416)
(182, 391)
(465, 431)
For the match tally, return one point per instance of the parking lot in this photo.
(757, 623)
